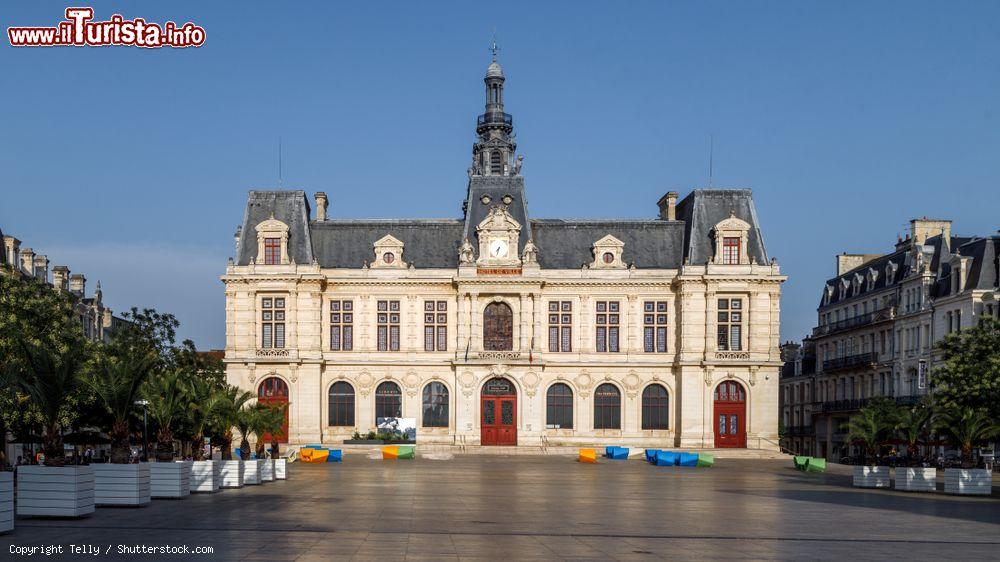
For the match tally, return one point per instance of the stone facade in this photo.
(556, 308)
(878, 322)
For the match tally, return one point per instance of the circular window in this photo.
(485, 199)
(388, 257)
(609, 257)
(507, 199)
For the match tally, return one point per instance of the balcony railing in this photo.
(850, 361)
(799, 430)
(495, 119)
(844, 405)
(860, 320)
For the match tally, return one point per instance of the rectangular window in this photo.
(341, 325)
(388, 325)
(272, 318)
(730, 325)
(730, 250)
(654, 330)
(608, 321)
(560, 326)
(435, 325)
(272, 251)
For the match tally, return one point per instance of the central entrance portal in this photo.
(499, 413)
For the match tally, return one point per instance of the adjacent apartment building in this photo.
(499, 328)
(878, 321)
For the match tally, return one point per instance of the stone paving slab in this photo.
(514, 508)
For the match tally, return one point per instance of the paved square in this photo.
(545, 507)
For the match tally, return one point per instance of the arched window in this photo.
(732, 391)
(341, 408)
(559, 407)
(435, 405)
(607, 407)
(498, 327)
(388, 401)
(655, 407)
(496, 162)
(272, 387)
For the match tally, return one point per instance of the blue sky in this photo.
(847, 119)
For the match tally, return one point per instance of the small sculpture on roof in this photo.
(530, 253)
(466, 254)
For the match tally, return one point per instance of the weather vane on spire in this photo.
(493, 45)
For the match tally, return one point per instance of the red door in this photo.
(498, 425)
(273, 390)
(730, 415)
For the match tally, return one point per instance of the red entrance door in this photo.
(730, 415)
(499, 413)
(273, 390)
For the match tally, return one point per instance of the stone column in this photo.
(525, 322)
(536, 328)
(292, 323)
(461, 329)
(585, 314)
(474, 323)
(634, 325)
(363, 329)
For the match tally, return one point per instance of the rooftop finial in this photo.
(493, 45)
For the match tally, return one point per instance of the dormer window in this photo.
(731, 250)
(731, 238)
(608, 253)
(272, 251)
(388, 253)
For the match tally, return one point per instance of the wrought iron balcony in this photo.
(856, 321)
(850, 361)
(799, 431)
(495, 119)
(844, 405)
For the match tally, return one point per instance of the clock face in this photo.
(498, 249)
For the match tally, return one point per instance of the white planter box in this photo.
(267, 470)
(280, 469)
(55, 491)
(231, 474)
(121, 484)
(251, 472)
(170, 479)
(917, 479)
(205, 476)
(968, 481)
(6, 501)
(871, 476)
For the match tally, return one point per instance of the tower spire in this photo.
(493, 152)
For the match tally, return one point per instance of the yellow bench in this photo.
(588, 455)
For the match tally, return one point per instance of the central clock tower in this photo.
(498, 236)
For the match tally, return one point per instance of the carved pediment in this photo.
(733, 224)
(388, 253)
(608, 253)
(498, 236)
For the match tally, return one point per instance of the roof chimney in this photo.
(925, 228)
(60, 278)
(13, 247)
(78, 284)
(42, 268)
(321, 204)
(668, 206)
(28, 262)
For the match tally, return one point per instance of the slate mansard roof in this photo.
(561, 243)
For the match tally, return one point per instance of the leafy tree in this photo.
(205, 405)
(116, 381)
(966, 427)
(268, 420)
(233, 400)
(40, 336)
(247, 420)
(970, 376)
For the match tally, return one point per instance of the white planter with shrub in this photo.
(280, 469)
(55, 491)
(6, 501)
(267, 470)
(968, 481)
(916, 479)
(170, 479)
(251, 472)
(231, 474)
(121, 484)
(205, 476)
(871, 477)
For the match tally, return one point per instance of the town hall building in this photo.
(497, 328)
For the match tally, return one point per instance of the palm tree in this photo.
(867, 428)
(165, 393)
(912, 424)
(116, 381)
(268, 420)
(205, 403)
(233, 400)
(246, 421)
(49, 377)
(966, 426)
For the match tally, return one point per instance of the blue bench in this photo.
(651, 455)
(667, 458)
(688, 459)
(617, 453)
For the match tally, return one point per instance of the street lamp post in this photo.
(145, 435)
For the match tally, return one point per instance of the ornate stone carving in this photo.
(530, 254)
(388, 253)
(467, 380)
(498, 237)
(709, 376)
(632, 381)
(583, 382)
(466, 254)
(531, 380)
(753, 375)
(411, 381)
(608, 253)
(272, 352)
(365, 381)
